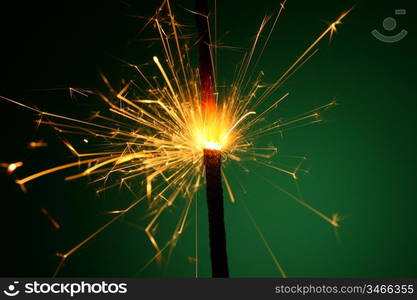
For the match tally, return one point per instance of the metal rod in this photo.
(217, 232)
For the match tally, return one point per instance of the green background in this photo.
(362, 160)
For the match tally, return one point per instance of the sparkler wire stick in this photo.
(212, 157)
(217, 232)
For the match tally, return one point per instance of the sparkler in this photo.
(160, 131)
(212, 152)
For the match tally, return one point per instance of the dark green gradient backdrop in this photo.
(362, 160)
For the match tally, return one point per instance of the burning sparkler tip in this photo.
(212, 145)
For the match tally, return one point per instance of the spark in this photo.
(10, 168)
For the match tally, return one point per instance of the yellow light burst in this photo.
(154, 129)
